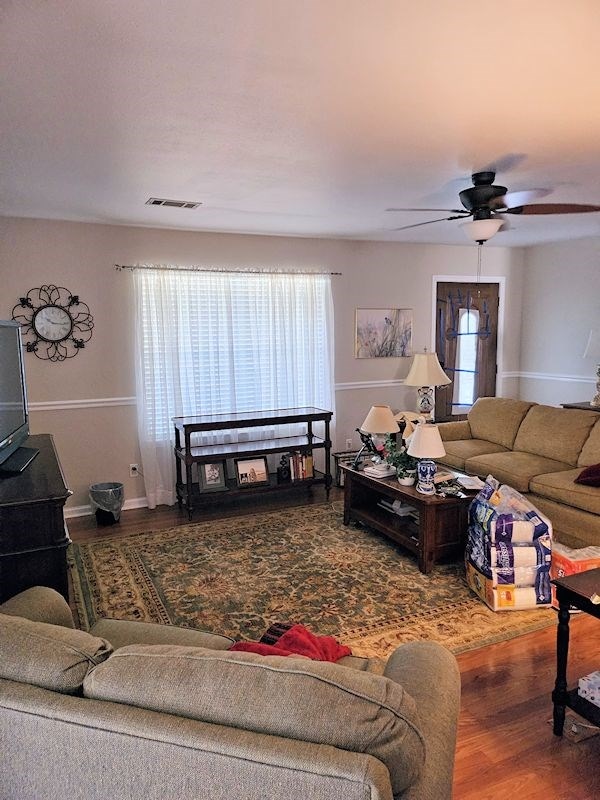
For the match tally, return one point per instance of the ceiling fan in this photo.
(487, 203)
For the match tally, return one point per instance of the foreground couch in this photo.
(539, 451)
(136, 710)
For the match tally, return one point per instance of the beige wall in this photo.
(98, 442)
(561, 302)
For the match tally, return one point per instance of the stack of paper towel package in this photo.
(509, 548)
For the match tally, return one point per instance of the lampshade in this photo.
(592, 348)
(426, 370)
(426, 442)
(480, 230)
(380, 420)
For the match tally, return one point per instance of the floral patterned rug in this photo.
(237, 576)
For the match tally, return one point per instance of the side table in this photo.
(580, 591)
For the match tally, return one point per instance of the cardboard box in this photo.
(509, 597)
(566, 561)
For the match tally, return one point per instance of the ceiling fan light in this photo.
(480, 230)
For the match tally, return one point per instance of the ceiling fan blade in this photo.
(552, 208)
(518, 199)
(449, 210)
(429, 222)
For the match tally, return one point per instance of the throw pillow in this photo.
(49, 656)
(590, 476)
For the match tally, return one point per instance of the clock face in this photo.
(52, 323)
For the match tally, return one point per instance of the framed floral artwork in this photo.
(383, 332)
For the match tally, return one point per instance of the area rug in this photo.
(239, 575)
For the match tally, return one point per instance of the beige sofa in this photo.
(539, 451)
(135, 710)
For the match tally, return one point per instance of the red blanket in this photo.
(295, 640)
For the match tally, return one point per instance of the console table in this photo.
(187, 453)
(580, 591)
(33, 535)
(441, 528)
(584, 406)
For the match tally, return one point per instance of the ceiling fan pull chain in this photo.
(479, 249)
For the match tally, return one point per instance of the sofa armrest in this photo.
(40, 604)
(429, 673)
(455, 431)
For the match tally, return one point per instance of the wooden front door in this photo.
(466, 345)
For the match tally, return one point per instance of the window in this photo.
(466, 360)
(219, 342)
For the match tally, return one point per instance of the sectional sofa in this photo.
(146, 712)
(538, 450)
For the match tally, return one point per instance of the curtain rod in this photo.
(131, 267)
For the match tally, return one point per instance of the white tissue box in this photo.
(589, 688)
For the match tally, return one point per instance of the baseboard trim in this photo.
(86, 511)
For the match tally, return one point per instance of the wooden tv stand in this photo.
(33, 534)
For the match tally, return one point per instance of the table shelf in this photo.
(189, 453)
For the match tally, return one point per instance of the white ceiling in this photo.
(301, 117)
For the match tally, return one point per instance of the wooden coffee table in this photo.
(440, 531)
(580, 591)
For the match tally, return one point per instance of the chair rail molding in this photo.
(85, 402)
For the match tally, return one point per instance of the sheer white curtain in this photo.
(219, 342)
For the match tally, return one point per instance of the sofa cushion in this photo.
(590, 452)
(512, 468)
(556, 433)
(458, 452)
(590, 476)
(120, 633)
(562, 487)
(50, 656)
(294, 698)
(497, 419)
(571, 526)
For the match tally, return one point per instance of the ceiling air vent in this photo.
(160, 201)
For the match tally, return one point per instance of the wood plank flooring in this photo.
(506, 749)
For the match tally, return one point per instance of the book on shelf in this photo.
(301, 466)
(398, 508)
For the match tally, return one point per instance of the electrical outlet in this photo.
(134, 470)
(348, 444)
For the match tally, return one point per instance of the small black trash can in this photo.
(107, 500)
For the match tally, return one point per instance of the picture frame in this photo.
(252, 471)
(383, 333)
(212, 476)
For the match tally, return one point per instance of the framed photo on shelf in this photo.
(252, 471)
(212, 477)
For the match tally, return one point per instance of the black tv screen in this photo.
(14, 421)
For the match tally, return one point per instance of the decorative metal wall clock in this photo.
(55, 323)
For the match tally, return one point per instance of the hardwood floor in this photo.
(506, 749)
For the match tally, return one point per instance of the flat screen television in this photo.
(14, 418)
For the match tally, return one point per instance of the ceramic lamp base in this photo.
(426, 469)
(426, 400)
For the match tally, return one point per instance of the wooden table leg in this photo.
(347, 497)
(559, 695)
(426, 538)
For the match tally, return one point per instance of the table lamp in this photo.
(592, 350)
(426, 373)
(425, 445)
(378, 422)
